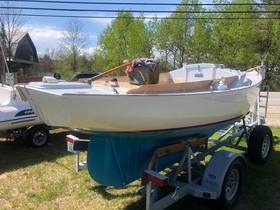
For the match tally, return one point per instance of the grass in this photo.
(45, 178)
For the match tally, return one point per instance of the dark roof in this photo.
(25, 51)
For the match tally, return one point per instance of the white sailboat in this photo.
(127, 121)
(198, 95)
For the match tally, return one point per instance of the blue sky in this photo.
(46, 31)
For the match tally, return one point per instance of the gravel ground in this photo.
(273, 110)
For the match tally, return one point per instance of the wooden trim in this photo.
(172, 87)
(166, 85)
(252, 69)
(177, 87)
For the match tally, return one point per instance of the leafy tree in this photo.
(274, 53)
(139, 41)
(269, 43)
(62, 66)
(85, 64)
(200, 42)
(163, 42)
(125, 38)
(174, 35)
(99, 62)
(269, 39)
(180, 32)
(234, 37)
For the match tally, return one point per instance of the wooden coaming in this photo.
(166, 85)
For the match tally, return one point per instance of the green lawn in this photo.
(45, 178)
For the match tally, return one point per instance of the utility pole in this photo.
(2, 65)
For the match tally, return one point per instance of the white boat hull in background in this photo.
(15, 113)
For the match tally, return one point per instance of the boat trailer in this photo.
(210, 168)
(37, 135)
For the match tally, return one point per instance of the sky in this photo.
(46, 31)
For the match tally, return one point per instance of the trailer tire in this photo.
(260, 145)
(232, 185)
(38, 136)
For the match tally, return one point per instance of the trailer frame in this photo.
(36, 135)
(209, 168)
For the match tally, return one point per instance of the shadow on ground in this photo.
(187, 202)
(18, 154)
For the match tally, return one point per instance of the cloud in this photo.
(44, 37)
(101, 22)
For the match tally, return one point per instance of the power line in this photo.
(144, 11)
(147, 3)
(134, 11)
(177, 18)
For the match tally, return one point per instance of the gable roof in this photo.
(25, 51)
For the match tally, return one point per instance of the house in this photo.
(23, 59)
(25, 51)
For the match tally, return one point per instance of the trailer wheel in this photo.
(260, 144)
(38, 136)
(232, 185)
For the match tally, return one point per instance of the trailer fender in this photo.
(217, 168)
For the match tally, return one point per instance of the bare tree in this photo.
(73, 41)
(10, 27)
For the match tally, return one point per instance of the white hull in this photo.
(138, 113)
(115, 109)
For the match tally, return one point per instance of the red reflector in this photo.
(157, 178)
(71, 138)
